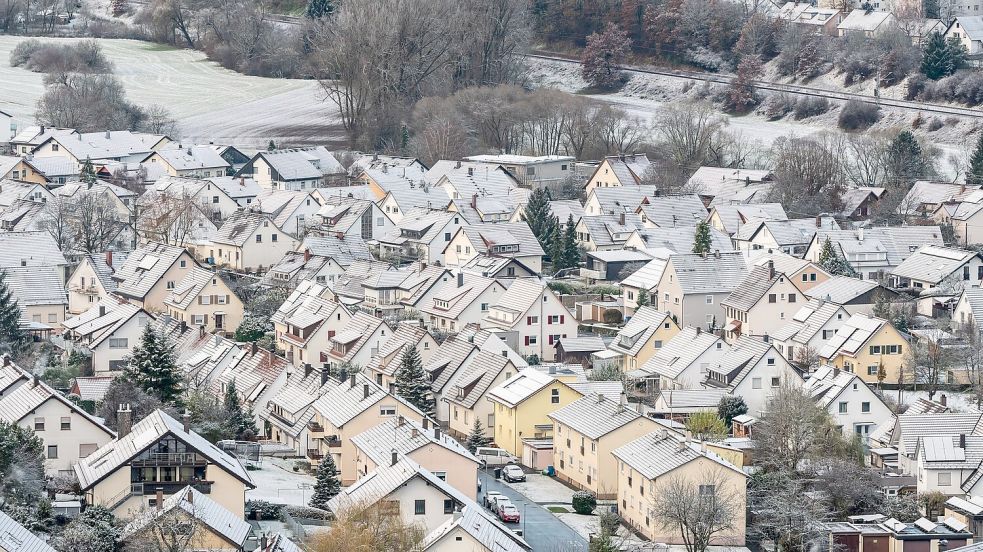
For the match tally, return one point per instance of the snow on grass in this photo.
(277, 482)
(210, 103)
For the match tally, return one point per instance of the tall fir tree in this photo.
(702, 242)
(905, 161)
(974, 176)
(834, 263)
(271, 146)
(239, 421)
(412, 382)
(539, 217)
(88, 172)
(555, 250)
(571, 253)
(317, 9)
(643, 299)
(14, 341)
(477, 438)
(327, 485)
(152, 367)
(942, 56)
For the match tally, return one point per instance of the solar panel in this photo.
(925, 525)
(147, 262)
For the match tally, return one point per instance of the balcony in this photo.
(170, 459)
(149, 488)
(315, 427)
(314, 454)
(332, 442)
(86, 290)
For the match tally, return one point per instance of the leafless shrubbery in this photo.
(46, 57)
(810, 106)
(963, 87)
(889, 57)
(89, 103)
(778, 106)
(808, 173)
(857, 115)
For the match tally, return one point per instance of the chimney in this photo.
(942, 399)
(35, 381)
(263, 544)
(351, 381)
(414, 433)
(457, 165)
(184, 327)
(109, 258)
(552, 369)
(681, 446)
(308, 369)
(600, 398)
(400, 421)
(201, 331)
(191, 496)
(962, 440)
(102, 310)
(325, 374)
(218, 339)
(6, 360)
(160, 498)
(253, 348)
(698, 330)
(426, 423)
(716, 253)
(124, 420)
(460, 279)
(108, 135)
(621, 219)
(474, 201)
(820, 301)
(771, 270)
(186, 420)
(663, 433)
(620, 408)
(242, 181)
(365, 391)
(307, 255)
(395, 458)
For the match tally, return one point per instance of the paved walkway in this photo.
(541, 529)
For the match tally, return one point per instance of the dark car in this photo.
(513, 473)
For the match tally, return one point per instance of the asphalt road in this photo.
(542, 530)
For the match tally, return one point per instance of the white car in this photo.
(490, 456)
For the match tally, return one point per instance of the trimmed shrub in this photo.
(584, 502)
(857, 115)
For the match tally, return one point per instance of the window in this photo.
(805, 277)
(865, 407)
(420, 507)
(170, 283)
(198, 319)
(273, 238)
(448, 506)
(791, 297)
(775, 382)
(875, 349)
(214, 199)
(184, 263)
(945, 478)
(441, 475)
(708, 490)
(555, 396)
(447, 236)
(39, 424)
(772, 298)
(86, 449)
(52, 318)
(52, 451)
(755, 383)
(66, 423)
(771, 362)
(709, 299)
(657, 344)
(387, 410)
(484, 307)
(872, 370)
(843, 407)
(259, 238)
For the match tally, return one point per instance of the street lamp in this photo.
(524, 521)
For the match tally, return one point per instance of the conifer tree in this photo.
(974, 176)
(831, 261)
(239, 422)
(316, 9)
(539, 217)
(477, 438)
(88, 172)
(412, 382)
(942, 57)
(13, 339)
(555, 250)
(643, 299)
(702, 242)
(327, 485)
(152, 367)
(571, 253)
(271, 146)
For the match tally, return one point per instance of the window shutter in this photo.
(527, 340)
(226, 298)
(528, 323)
(199, 299)
(561, 318)
(205, 318)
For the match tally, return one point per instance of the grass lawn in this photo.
(558, 509)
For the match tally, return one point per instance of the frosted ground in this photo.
(210, 103)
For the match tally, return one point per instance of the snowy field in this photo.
(210, 103)
(276, 482)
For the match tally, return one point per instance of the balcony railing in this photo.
(314, 454)
(148, 488)
(315, 427)
(171, 459)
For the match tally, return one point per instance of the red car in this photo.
(508, 513)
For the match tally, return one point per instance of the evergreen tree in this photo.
(88, 172)
(974, 176)
(539, 217)
(152, 367)
(643, 299)
(412, 382)
(13, 339)
(730, 407)
(271, 146)
(477, 437)
(905, 161)
(702, 242)
(942, 57)
(571, 253)
(831, 261)
(327, 485)
(239, 421)
(118, 7)
(316, 9)
(555, 250)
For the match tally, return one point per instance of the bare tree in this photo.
(160, 121)
(374, 527)
(971, 358)
(809, 173)
(175, 529)
(174, 220)
(792, 429)
(700, 509)
(97, 220)
(689, 133)
(787, 514)
(56, 219)
(928, 363)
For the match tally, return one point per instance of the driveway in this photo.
(541, 529)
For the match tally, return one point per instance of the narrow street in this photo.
(541, 529)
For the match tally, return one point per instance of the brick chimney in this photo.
(307, 255)
(124, 420)
(186, 421)
(109, 258)
(160, 498)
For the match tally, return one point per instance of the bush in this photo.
(584, 502)
(857, 115)
(779, 105)
(935, 124)
(80, 57)
(810, 106)
(916, 86)
(267, 510)
(307, 512)
(612, 316)
(302, 465)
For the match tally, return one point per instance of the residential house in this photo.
(348, 287)
(693, 285)
(475, 529)
(306, 322)
(810, 18)
(924, 198)
(409, 287)
(751, 369)
(852, 405)
(40, 294)
(585, 434)
(680, 404)
(522, 405)
(30, 136)
(805, 274)
(465, 396)
(118, 145)
(513, 240)
(191, 160)
(874, 252)
(32, 249)
(801, 338)
(648, 463)
(91, 388)
(727, 186)
(604, 232)
(288, 413)
(761, 303)
(107, 332)
(356, 217)
(968, 31)
(250, 241)
(23, 216)
(294, 169)
(256, 374)
(533, 171)
(293, 211)
(859, 202)
(534, 315)
(92, 280)
(387, 361)
(443, 456)
(672, 211)
(501, 268)
(349, 408)
(929, 266)
(422, 235)
(613, 265)
(359, 340)
(618, 170)
(205, 298)
(462, 301)
(788, 236)
(645, 333)
(676, 240)
(867, 346)
(968, 311)
(211, 526)
(729, 218)
(68, 432)
(683, 362)
(215, 202)
(624, 199)
(854, 295)
(150, 272)
(159, 456)
(870, 23)
(14, 537)
(644, 281)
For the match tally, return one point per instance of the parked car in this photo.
(509, 513)
(490, 456)
(489, 499)
(501, 503)
(512, 473)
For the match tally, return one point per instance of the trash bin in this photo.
(498, 473)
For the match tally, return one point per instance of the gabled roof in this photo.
(26, 399)
(842, 289)
(679, 353)
(630, 169)
(344, 250)
(853, 335)
(92, 388)
(895, 243)
(110, 457)
(864, 20)
(15, 538)
(344, 402)
(236, 188)
(300, 163)
(472, 382)
(607, 230)
(104, 271)
(102, 320)
(649, 275)
(280, 205)
(106, 145)
(340, 214)
(710, 274)
(827, 383)
(974, 300)
(754, 286)
(737, 362)
(911, 428)
(595, 415)
(735, 216)
(404, 436)
(636, 333)
(427, 223)
(672, 211)
(484, 238)
(407, 334)
(482, 527)
(144, 267)
(521, 386)
(240, 226)
(190, 157)
(192, 285)
(807, 322)
(457, 297)
(785, 232)
(199, 506)
(448, 359)
(35, 248)
(37, 285)
(521, 295)
(620, 199)
(659, 453)
(931, 263)
(783, 262)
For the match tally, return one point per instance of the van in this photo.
(489, 456)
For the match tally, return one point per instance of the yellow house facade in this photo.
(522, 405)
(643, 335)
(869, 347)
